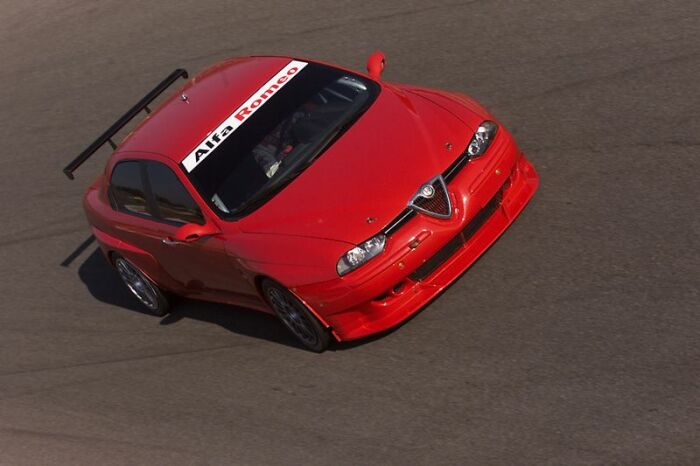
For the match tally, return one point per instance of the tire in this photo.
(296, 316)
(143, 289)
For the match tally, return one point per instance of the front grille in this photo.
(458, 241)
(407, 214)
(438, 203)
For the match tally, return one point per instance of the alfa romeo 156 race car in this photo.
(341, 203)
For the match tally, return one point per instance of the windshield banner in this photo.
(241, 114)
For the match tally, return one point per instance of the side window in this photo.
(126, 188)
(173, 201)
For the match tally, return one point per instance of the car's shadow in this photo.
(105, 285)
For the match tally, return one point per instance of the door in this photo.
(200, 268)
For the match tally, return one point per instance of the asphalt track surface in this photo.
(574, 340)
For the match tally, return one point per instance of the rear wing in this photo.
(120, 123)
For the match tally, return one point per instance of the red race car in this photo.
(338, 202)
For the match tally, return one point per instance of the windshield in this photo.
(273, 145)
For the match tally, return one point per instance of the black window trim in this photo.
(148, 191)
(151, 203)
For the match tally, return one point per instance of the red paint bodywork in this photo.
(406, 137)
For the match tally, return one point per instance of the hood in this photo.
(366, 178)
(460, 105)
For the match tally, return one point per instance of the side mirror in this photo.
(375, 64)
(192, 232)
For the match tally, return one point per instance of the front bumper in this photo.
(426, 255)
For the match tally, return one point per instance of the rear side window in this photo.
(126, 189)
(172, 200)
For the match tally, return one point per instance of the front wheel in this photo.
(296, 317)
(142, 287)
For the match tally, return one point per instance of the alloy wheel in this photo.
(287, 308)
(139, 285)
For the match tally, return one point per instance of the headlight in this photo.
(360, 254)
(482, 138)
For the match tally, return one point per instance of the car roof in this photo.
(182, 121)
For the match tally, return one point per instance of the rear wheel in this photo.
(296, 316)
(142, 287)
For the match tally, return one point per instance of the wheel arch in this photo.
(111, 247)
(260, 278)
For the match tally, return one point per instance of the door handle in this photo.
(170, 242)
